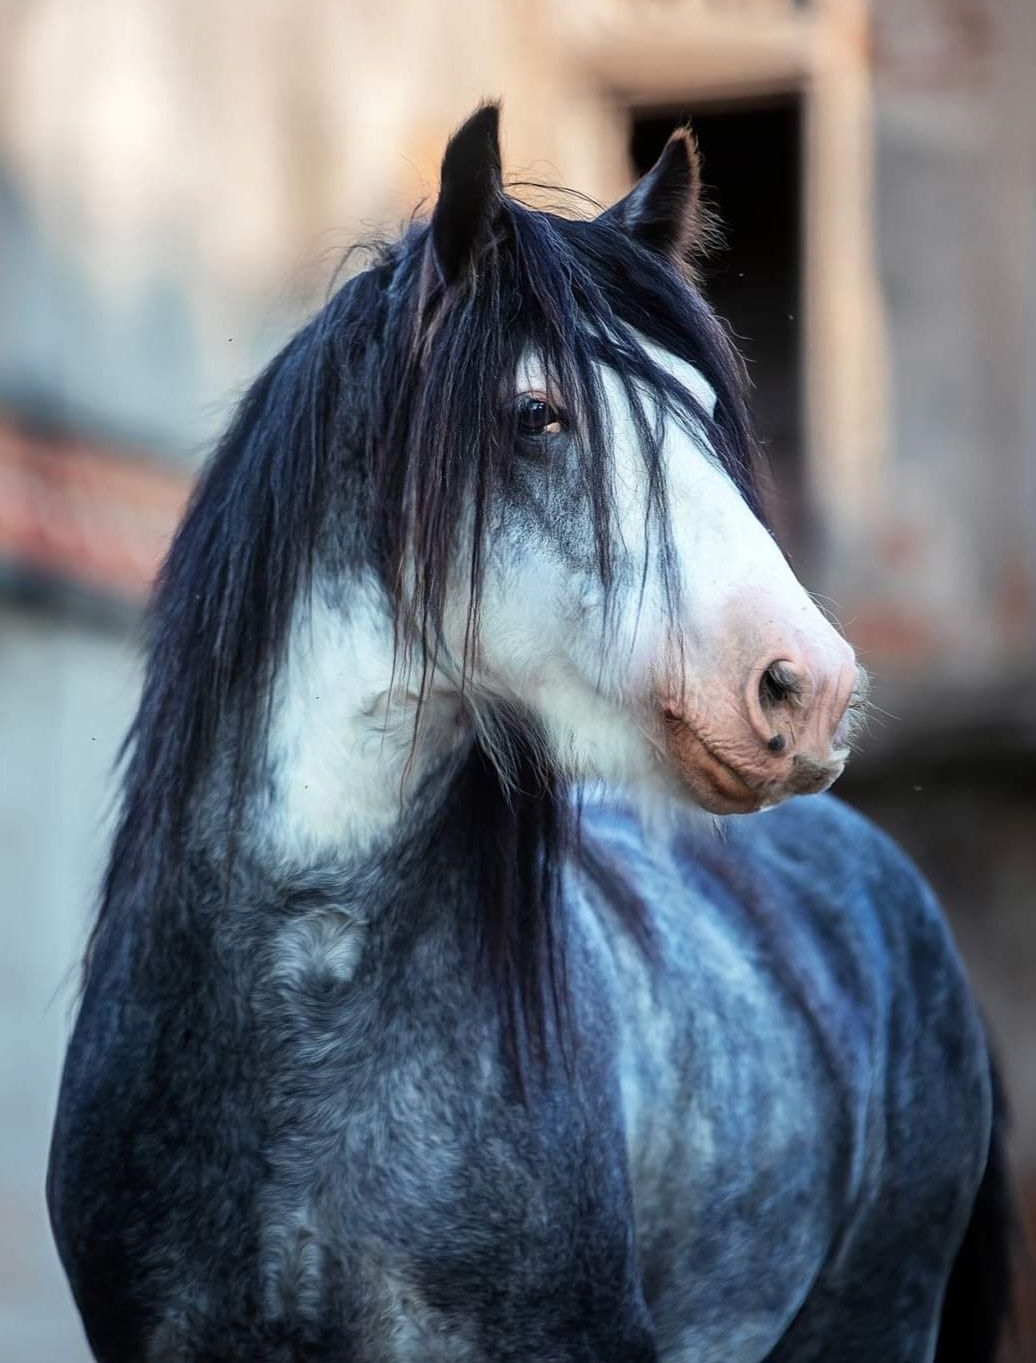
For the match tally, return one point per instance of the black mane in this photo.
(361, 439)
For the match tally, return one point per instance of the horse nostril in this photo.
(778, 684)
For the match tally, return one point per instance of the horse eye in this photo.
(535, 416)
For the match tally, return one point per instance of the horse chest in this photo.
(403, 1183)
(413, 1200)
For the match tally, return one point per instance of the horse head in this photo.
(629, 598)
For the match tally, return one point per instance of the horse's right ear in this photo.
(470, 192)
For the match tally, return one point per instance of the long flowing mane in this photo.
(359, 445)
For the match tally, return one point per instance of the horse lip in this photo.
(718, 786)
(809, 776)
(721, 788)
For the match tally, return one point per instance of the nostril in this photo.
(778, 684)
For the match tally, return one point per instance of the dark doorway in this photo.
(752, 167)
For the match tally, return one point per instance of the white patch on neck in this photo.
(341, 751)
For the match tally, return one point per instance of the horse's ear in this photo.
(664, 209)
(470, 192)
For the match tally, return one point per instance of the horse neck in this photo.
(356, 841)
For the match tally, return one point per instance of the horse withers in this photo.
(428, 1015)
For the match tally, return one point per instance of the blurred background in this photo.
(178, 180)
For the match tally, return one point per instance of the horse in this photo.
(433, 1010)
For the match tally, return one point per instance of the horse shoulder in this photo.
(864, 907)
(805, 973)
(921, 1084)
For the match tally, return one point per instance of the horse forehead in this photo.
(685, 374)
(531, 375)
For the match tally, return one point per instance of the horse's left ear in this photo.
(664, 209)
(470, 192)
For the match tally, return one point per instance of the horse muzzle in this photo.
(788, 732)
